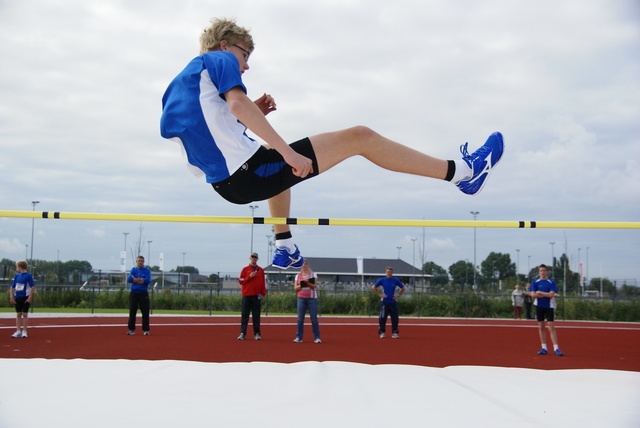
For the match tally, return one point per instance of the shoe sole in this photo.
(485, 176)
(293, 264)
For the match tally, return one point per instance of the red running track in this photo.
(432, 342)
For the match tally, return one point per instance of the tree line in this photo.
(498, 273)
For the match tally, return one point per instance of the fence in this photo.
(333, 300)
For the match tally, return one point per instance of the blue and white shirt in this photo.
(545, 285)
(22, 284)
(196, 115)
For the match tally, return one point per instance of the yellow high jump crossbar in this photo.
(324, 221)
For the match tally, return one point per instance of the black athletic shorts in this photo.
(542, 313)
(22, 305)
(265, 175)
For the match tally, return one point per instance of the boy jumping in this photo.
(207, 111)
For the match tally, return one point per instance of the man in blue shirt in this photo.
(206, 110)
(544, 290)
(139, 278)
(388, 302)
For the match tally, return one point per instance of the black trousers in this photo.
(250, 305)
(139, 300)
(388, 309)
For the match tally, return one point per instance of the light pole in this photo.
(124, 260)
(579, 269)
(34, 203)
(125, 249)
(475, 276)
(399, 248)
(553, 261)
(586, 270)
(269, 243)
(183, 255)
(413, 267)
(149, 253)
(517, 263)
(253, 208)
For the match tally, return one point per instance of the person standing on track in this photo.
(254, 289)
(517, 300)
(389, 302)
(139, 278)
(21, 294)
(544, 290)
(305, 287)
(207, 111)
(528, 301)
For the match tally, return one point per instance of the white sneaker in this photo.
(395, 336)
(317, 340)
(382, 336)
(24, 333)
(297, 340)
(17, 334)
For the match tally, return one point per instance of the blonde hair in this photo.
(224, 29)
(22, 264)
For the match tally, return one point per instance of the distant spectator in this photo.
(517, 300)
(544, 291)
(305, 287)
(21, 295)
(253, 289)
(139, 278)
(528, 301)
(388, 302)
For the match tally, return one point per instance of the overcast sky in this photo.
(80, 101)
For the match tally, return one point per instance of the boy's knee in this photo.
(361, 132)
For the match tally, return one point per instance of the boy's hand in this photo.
(301, 165)
(266, 104)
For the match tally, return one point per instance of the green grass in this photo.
(174, 302)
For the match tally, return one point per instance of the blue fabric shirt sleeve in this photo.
(224, 71)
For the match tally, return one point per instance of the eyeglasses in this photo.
(242, 49)
(254, 257)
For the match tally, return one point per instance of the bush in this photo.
(362, 303)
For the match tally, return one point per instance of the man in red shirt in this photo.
(254, 288)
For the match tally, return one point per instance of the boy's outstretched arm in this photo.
(253, 118)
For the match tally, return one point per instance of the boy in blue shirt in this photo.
(21, 295)
(544, 290)
(388, 302)
(206, 110)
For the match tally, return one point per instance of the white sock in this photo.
(286, 243)
(544, 346)
(555, 347)
(463, 172)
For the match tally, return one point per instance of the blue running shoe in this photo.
(542, 352)
(283, 259)
(559, 353)
(481, 163)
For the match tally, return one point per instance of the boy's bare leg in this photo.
(333, 147)
(552, 332)
(542, 333)
(280, 206)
